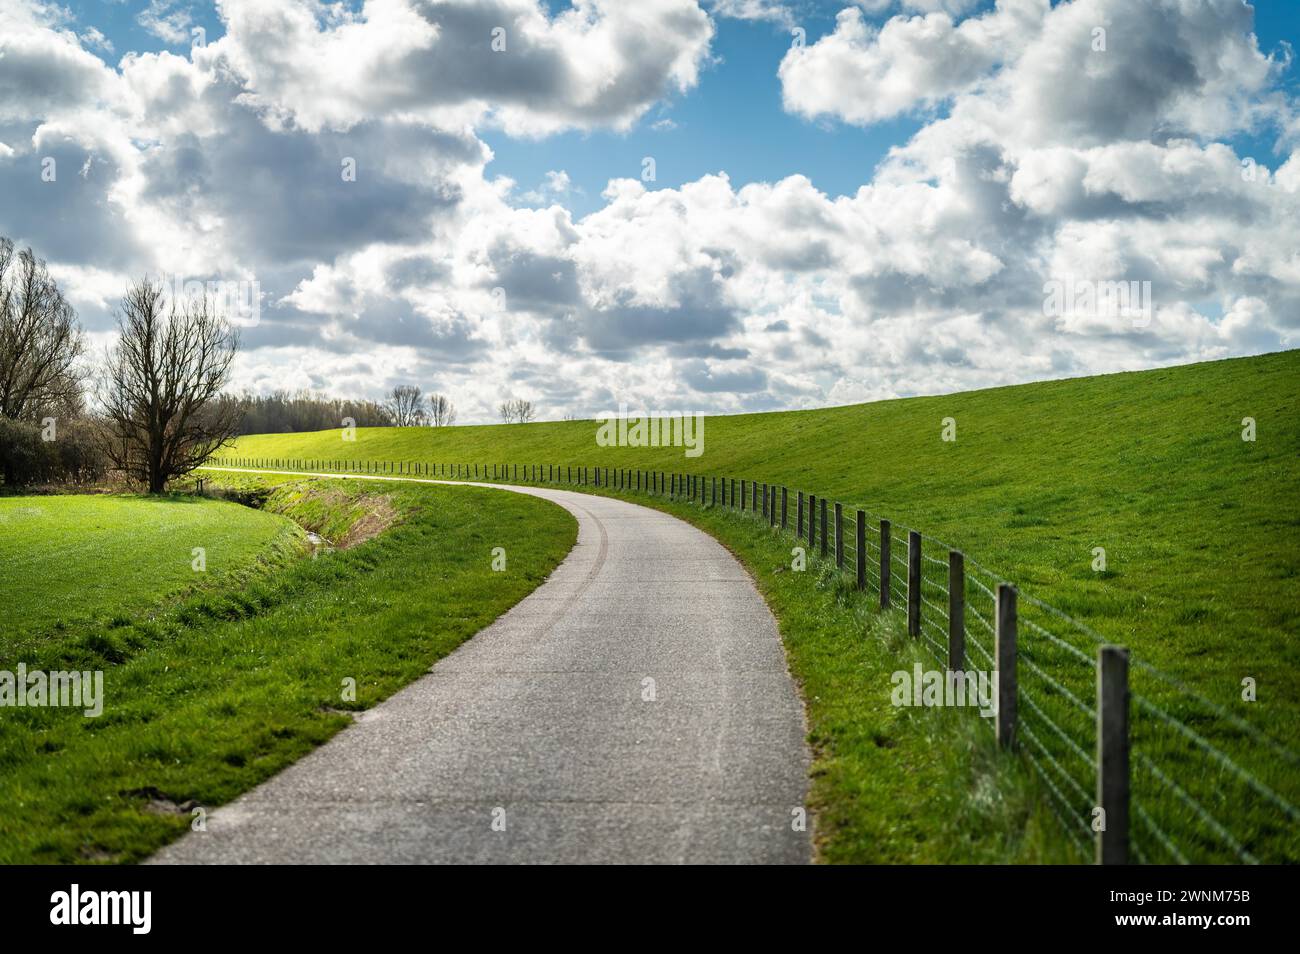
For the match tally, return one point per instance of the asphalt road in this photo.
(636, 707)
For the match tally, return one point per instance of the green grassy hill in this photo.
(1199, 529)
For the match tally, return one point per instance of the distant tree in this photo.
(406, 404)
(442, 413)
(40, 343)
(517, 411)
(160, 390)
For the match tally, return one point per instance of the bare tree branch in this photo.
(406, 404)
(162, 384)
(517, 411)
(442, 413)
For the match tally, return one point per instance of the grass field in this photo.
(209, 693)
(1198, 525)
(67, 558)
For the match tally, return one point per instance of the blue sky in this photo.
(732, 122)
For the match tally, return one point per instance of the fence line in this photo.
(1051, 672)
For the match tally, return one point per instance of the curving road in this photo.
(543, 725)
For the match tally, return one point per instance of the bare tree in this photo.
(517, 411)
(40, 341)
(442, 413)
(161, 385)
(406, 404)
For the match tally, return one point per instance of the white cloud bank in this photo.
(1042, 158)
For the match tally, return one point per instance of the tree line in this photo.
(156, 406)
(282, 412)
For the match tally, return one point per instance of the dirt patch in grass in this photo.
(380, 515)
(344, 514)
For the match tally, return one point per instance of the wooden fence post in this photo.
(913, 584)
(956, 611)
(1005, 654)
(714, 502)
(886, 561)
(812, 522)
(765, 500)
(839, 535)
(860, 545)
(1112, 754)
(785, 509)
(798, 532)
(742, 494)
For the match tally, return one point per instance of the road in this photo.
(635, 708)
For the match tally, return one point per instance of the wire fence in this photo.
(1194, 782)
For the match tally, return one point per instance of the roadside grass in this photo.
(1199, 528)
(67, 559)
(208, 695)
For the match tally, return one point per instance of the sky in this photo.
(718, 206)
